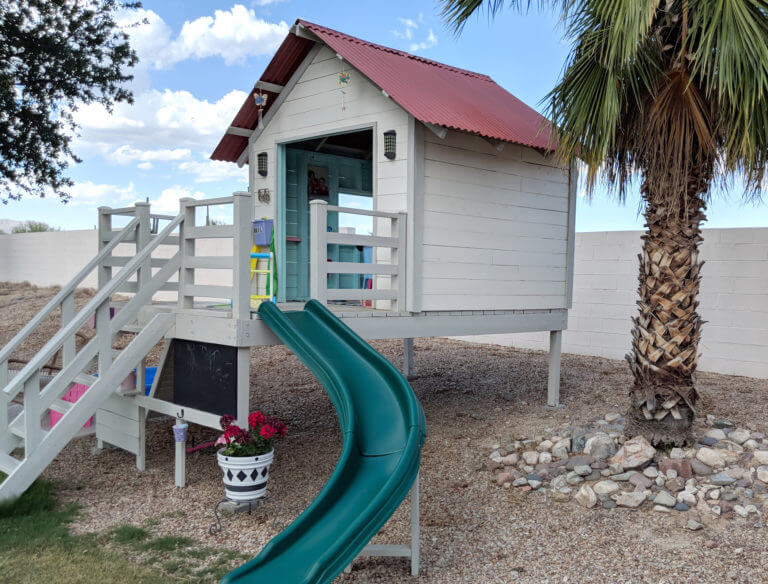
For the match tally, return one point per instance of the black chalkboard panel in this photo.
(205, 376)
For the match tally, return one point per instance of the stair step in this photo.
(17, 428)
(8, 463)
(61, 406)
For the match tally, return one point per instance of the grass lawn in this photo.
(36, 547)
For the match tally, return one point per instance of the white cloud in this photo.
(172, 120)
(427, 43)
(168, 201)
(232, 34)
(126, 154)
(212, 170)
(408, 22)
(145, 165)
(89, 193)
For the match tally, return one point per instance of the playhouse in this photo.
(402, 197)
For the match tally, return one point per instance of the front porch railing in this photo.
(389, 252)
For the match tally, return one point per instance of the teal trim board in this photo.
(383, 429)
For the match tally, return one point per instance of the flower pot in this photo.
(180, 432)
(245, 477)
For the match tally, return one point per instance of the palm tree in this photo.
(674, 92)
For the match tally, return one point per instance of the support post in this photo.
(318, 251)
(180, 474)
(400, 230)
(553, 382)
(241, 250)
(408, 359)
(143, 236)
(67, 314)
(104, 227)
(415, 557)
(141, 451)
(187, 248)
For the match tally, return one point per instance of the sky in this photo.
(198, 59)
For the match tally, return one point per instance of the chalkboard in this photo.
(205, 376)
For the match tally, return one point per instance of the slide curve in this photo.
(383, 429)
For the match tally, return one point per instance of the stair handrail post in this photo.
(318, 250)
(399, 230)
(143, 237)
(187, 248)
(104, 227)
(242, 214)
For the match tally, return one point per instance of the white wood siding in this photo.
(495, 226)
(314, 108)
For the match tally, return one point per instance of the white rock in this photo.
(531, 457)
(651, 472)
(586, 497)
(762, 473)
(714, 494)
(665, 498)
(671, 473)
(559, 483)
(632, 499)
(750, 444)
(715, 433)
(760, 457)
(751, 509)
(662, 509)
(686, 497)
(694, 525)
(611, 418)
(545, 457)
(677, 453)
(635, 453)
(544, 446)
(601, 446)
(740, 511)
(716, 509)
(739, 436)
(660, 480)
(710, 457)
(559, 452)
(509, 459)
(520, 482)
(606, 487)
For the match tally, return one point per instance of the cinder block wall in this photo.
(734, 300)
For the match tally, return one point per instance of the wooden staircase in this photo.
(26, 446)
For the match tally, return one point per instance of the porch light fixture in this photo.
(390, 144)
(262, 163)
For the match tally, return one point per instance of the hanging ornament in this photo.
(261, 102)
(345, 79)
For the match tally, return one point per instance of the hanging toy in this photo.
(261, 102)
(345, 79)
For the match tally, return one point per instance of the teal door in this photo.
(310, 175)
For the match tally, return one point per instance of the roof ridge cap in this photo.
(384, 48)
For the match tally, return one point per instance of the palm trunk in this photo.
(666, 332)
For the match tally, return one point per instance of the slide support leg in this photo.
(553, 383)
(181, 461)
(408, 359)
(415, 560)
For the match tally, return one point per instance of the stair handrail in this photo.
(16, 385)
(61, 295)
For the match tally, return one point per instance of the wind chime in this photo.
(345, 78)
(261, 102)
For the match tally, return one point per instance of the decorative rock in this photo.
(578, 441)
(575, 461)
(611, 418)
(687, 498)
(674, 485)
(711, 458)
(750, 444)
(665, 498)
(762, 473)
(721, 479)
(606, 487)
(760, 457)
(632, 500)
(562, 495)
(729, 496)
(510, 459)
(660, 481)
(640, 480)
(559, 452)
(694, 525)
(681, 466)
(544, 446)
(582, 470)
(714, 494)
(600, 446)
(545, 458)
(623, 477)
(739, 436)
(723, 423)
(740, 511)
(609, 504)
(534, 484)
(651, 472)
(681, 506)
(716, 433)
(700, 469)
(531, 457)
(716, 509)
(614, 469)
(586, 497)
(520, 482)
(505, 477)
(677, 454)
(635, 453)
(707, 441)
(661, 508)
(670, 473)
(573, 478)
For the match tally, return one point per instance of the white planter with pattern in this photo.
(245, 477)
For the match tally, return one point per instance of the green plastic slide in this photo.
(383, 429)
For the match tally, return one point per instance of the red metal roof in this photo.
(431, 92)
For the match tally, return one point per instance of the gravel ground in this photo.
(474, 396)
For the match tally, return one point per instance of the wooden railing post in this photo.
(104, 337)
(318, 250)
(32, 430)
(143, 236)
(67, 314)
(104, 227)
(399, 230)
(187, 248)
(241, 250)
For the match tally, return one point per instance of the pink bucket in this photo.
(71, 396)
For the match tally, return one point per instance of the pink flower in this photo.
(226, 421)
(267, 431)
(221, 440)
